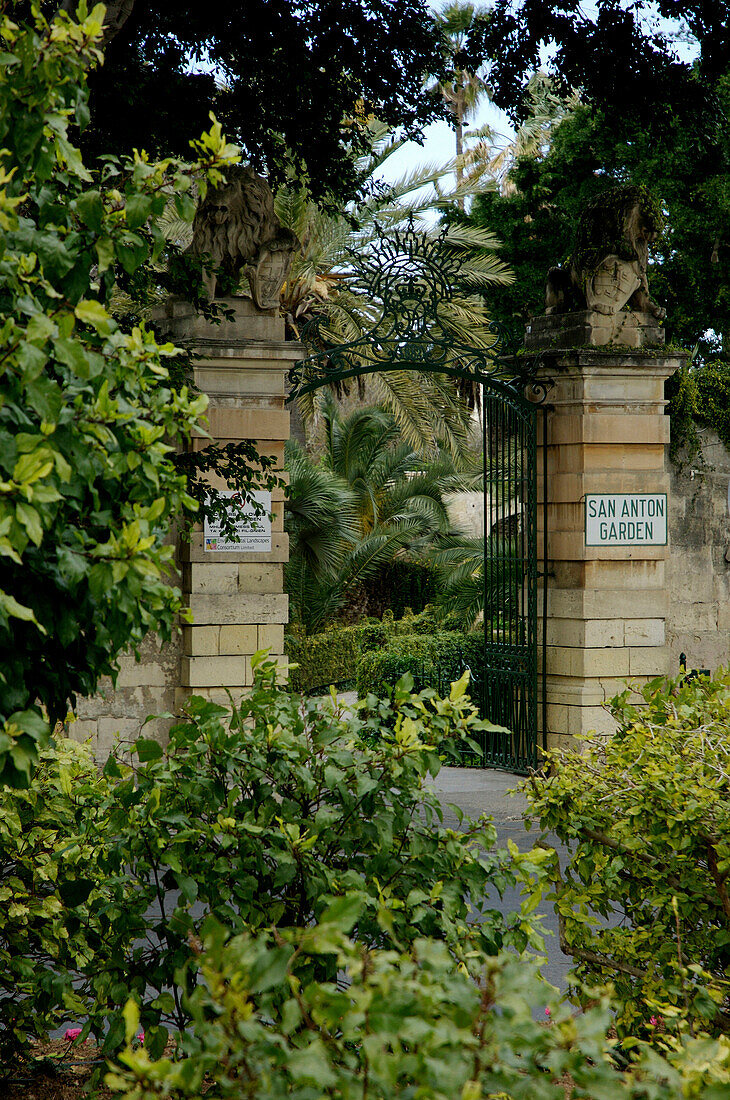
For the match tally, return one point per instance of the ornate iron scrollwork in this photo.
(407, 276)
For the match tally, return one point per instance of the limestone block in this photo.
(649, 661)
(645, 632)
(149, 673)
(630, 573)
(581, 691)
(259, 424)
(255, 577)
(111, 731)
(200, 641)
(271, 637)
(223, 378)
(586, 328)
(83, 729)
(211, 577)
(562, 660)
(238, 640)
(561, 742)
(576, 603)
(200, 672)
(621, 427)
(575, 633)
(584, 722)
(211, 609)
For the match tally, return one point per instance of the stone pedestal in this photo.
(237, 599)
(607, 605)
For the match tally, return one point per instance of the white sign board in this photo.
(253, 532)
(626, 519)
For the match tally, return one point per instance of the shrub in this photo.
(646, 814)
(256, 815)
(397, 1025)
(50, 929)
(323, 659)
(432, 659)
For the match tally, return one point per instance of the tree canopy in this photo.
(292, 81)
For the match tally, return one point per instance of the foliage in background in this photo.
(324, 659)
(400, 1024)
(646, 816)
(255, 815)
(292, 82)
(590, 151)
(88, 419)
(332, 656)
(697, 396)
(370, 500)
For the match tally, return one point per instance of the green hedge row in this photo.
(377, 652)
(327, 658)
(433, 660)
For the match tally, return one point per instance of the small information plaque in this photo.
(253, 532)
(626, 519)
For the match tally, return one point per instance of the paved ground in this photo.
(476, 792)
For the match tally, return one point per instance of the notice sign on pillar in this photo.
(626, 519)
(251, 516)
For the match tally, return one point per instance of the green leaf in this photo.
(74, 892)
(343, 912)
(269, 969)
(147, 749)
(91, 312)
(90, 209)
(138, 210)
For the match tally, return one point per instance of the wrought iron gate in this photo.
(408, 276)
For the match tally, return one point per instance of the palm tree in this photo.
(322, 283)
(464, 93)
(546, 109)
(369, 499)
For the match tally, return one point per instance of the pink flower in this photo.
(72, 1034)
(140, 1036)
(548, 1012)
(653, 1021)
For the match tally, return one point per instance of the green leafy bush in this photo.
(332, 656)
(323, 659)
(89, 420)
(397, 1024)
(50, 926)
(257, 815)
(646, 814)
(433, 658)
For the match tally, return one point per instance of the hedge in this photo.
(433, 660)
(334, 655)
(327, 658)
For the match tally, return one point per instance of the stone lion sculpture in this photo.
(237, 228)
(607, 269)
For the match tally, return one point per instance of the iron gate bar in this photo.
(411, 274)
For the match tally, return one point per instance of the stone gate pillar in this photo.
(236, 598)
(607, 510)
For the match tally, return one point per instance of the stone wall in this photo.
(698, 621)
